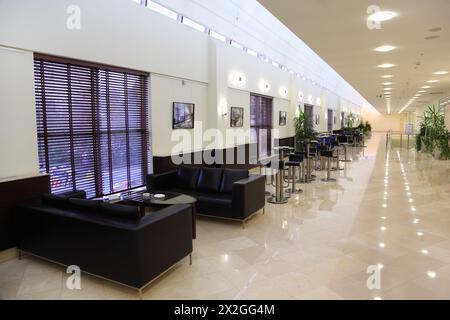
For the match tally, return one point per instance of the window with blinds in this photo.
(261, 123)
(92, 126)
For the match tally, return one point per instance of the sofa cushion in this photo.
(231, 176)
(91, 206)
(215, 200)
(187, 177)
(120, 211)
(209, 180)
(55, 200)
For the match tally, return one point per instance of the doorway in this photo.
(330, 120)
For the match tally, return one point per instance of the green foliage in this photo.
(365, 127)
(433, 132)
(349, 118)
(303, 130)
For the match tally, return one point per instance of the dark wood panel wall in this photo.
(229, 156)
(12, 193)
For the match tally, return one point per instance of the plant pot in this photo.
(437, 153)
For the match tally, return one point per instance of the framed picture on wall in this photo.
(237, 117)
(183, 115)
(317, 119)
(334, 120)
(283, 116)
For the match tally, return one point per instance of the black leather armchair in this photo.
(222, 193)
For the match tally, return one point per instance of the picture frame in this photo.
(283, 118)
(237, 117)
(183, 115)
(317, 119)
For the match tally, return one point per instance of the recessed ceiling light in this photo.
(385, 48)
(432, 81)
(421, 91)
(440, 73)
(426, 87)
(387, 76)
(386, 65)
(387, 83)
(435, 29)
(381, 16)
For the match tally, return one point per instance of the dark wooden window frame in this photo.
(98, 118)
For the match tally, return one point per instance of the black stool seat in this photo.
(326, 153)
(293, 163)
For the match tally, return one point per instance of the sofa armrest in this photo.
(80, 194)
(249, 195)
(163, 239)
(162, 181)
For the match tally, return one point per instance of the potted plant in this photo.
(434, 136)
(303, 130)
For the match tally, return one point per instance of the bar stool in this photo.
(329, 155)
(294, 162)
(343, 141)
(266, 164)
(279, 196)
(337, 148)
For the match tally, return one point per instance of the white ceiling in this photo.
(337, 31)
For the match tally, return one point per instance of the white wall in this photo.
(122, 33)
(384, 123)
(18, 137)
(115, 32)
(164, 91)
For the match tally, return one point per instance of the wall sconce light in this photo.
(237, 79)
(223, 107)
(310, 99)
(318, 102)
(264, 86)
(300, 96)
(284, 92)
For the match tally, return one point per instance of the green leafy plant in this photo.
(365, 127)
(303, 130)
(433, 133)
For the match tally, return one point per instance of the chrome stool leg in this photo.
(328, 178)
(293, 189)
(338, 163)
(267, 193)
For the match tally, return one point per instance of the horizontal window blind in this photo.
(92, 125)
(261, 123)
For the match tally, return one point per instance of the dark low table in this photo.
(136, 198)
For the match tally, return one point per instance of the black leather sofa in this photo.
(111, 241)
(221, 193)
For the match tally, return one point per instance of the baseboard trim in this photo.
(8, 254)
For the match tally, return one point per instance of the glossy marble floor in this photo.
(390, 210)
